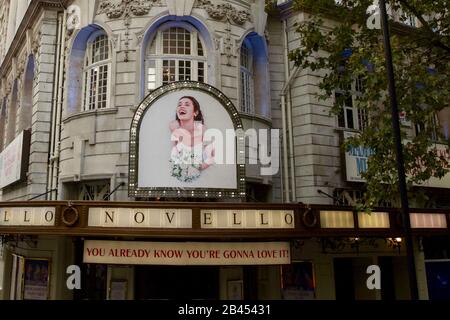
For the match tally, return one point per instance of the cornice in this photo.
(30, 16)
(288, 9)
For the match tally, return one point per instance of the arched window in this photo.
(247, 80)
(175, 54)
(254, 86)
(97, 72)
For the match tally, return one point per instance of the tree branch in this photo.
(435, 39)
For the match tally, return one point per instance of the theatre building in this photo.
(169, 149)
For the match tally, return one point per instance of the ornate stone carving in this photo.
(124, 7)
(7, 88)
(224, 11)
(226, 43)
(21, 65)
(73, 19)
(36, 43)
(227, 46)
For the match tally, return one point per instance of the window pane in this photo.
(93, 88)
(349, 116)
(102, 86)
(199, 47)
(246, 57)
(177, 41)
(184, 63)
(169, 71)
(362, 119)
(201, 72)
(246, 92)
(100, 49)
(359, 84)
(184, 70)
(151, 75)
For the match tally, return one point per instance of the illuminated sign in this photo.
(29, 217)
(184, 143)
(247, 219)
(140, 218)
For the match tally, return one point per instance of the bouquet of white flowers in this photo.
(184, 167)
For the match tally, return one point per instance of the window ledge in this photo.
(84, 114)
(253, 116)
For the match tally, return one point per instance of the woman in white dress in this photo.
(190, 155)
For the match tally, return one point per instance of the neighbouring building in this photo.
(76, 79)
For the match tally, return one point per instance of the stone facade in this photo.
(77, 153)
(42, 59)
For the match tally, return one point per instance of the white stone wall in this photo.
(40, 44)
(277, 80)
(316, 140)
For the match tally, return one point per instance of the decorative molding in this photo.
(36, 43)
(29, 41)
(139, 36)
(2, 92)
(224, 12)
(32, 15)
(7, 89)
(125, 9)
(180, 7)
(14, 68)
(21, 65)
(227, 45)
(73, 19)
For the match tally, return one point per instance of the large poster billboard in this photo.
(14, 160)
(183, 143)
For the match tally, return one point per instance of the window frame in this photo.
(420, 126)
(101, 188)
(247, 80)
(88, 66)
(158, 57)
(359, 116)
